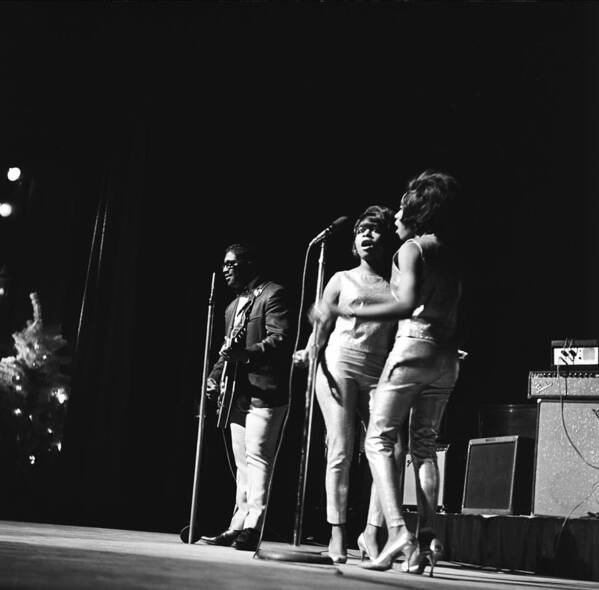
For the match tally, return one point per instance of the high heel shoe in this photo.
(365, 551)
(405, 543)
(421, 558)
(338, 557)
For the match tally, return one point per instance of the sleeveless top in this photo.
(356, 287)
(435, 316)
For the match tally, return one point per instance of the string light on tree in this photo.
(60, 394)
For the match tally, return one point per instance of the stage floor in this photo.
(69, 557)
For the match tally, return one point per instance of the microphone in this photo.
(211, 296)
(327, 231)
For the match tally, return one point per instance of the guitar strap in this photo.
(243, 312)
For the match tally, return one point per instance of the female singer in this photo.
(421, 369)
(350, 365)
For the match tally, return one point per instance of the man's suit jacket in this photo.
(265, 378)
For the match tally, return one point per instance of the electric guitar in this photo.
(228, 380)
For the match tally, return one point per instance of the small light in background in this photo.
(4, 283)
(13, 174)
(5, 209)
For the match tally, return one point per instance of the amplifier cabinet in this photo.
(498, 476)
(564, 482)
(409, 483)
(569, 384)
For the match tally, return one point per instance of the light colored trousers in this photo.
(254, 436)
(345, 383)
(418, 377)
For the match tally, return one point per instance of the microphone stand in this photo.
(189, 535)
(308, 413)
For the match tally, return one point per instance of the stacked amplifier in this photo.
(563, 383)
(567, 449)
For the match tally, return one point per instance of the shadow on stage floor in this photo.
(68, 557)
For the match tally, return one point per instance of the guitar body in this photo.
(228, 380)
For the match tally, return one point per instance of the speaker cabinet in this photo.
(498, 476)
(563, 484)
(508, 420)
(409, 482)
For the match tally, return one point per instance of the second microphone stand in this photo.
(302, 555)
(308, 410)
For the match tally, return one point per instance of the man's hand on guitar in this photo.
(236, 355)
(212, 389)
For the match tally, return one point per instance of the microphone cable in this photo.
(563, 419)
(290, 385)
(228, 453)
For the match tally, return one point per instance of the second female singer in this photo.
(351, 354)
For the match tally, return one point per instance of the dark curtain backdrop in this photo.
(98, 451)
(189, 127)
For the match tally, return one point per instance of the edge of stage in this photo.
(540, 544)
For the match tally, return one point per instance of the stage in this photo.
(541, 544)
(54, 556)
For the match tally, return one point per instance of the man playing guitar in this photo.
(250, 380)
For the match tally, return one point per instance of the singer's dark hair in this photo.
(383, 218)
(429, 204)
(247, 252)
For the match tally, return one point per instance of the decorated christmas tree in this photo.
(34, 391)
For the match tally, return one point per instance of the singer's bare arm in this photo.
(326, 322)
(330, 296)
(410, 264)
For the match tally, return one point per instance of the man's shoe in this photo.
(225, 539)
(247, 540)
